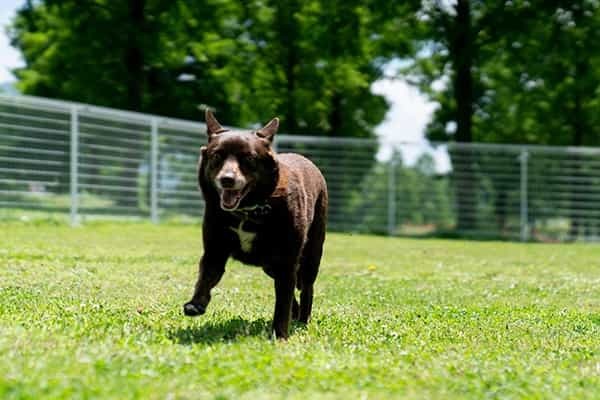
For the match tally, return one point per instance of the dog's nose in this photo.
(227, 181)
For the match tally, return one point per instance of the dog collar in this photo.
(255, 212)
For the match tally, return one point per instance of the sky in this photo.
(405, 121)
(9, 57)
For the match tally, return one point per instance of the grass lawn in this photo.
(95, 312)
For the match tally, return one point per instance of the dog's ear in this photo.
(201, 156)
(213, 127)
(269, 130)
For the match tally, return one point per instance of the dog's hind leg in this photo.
(310, 261)
(295, 309)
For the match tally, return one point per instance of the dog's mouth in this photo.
(231, 198)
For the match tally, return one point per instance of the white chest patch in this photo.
(246, 238)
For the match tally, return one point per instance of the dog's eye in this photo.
(216, 158)
(248, 160)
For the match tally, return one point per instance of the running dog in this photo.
(263, 209)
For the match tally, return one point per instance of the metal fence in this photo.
(86, 161)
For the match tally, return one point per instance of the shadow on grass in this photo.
(227, 331)
(222, 331)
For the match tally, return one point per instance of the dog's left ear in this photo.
(213, 127)
(269, 130)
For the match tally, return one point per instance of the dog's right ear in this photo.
(269, 130)
(213, 127)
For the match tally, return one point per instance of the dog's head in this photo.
(240, 166)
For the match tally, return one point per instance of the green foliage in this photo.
(311, 62)
(501, 71)
(510, 72)
(82, 51)
(533, 75)
(535, 70)
(554, 69)
(95, 312)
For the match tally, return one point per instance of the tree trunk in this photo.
(335, 118)
(461, 53)
(290, 74)
(288, 32)
(578, 121)
(578, 126)
(134, 56)
(134, 67)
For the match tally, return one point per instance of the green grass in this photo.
(95, 312)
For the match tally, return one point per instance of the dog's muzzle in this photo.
(231, 198)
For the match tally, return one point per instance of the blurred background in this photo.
(428, 117)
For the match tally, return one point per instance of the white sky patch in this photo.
(409, 113)
(404, 126)
(9, 57)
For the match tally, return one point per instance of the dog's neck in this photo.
(254, 213)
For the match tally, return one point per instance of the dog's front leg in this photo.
(210, 271)
(284, 297)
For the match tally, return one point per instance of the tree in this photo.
(534, 76)
(453, 38)
(558, 68)
(310, 62)
(97, 52)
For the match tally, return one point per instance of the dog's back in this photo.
(306, 188)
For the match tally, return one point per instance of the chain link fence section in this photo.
(34, 155)
(357, 184)
(178, 154)
(90, 162)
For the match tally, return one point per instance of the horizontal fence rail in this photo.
(87, 161)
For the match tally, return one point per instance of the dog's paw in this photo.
(193, 310)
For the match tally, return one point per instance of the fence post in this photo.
(154, 170)
(391, 196)
(523, 158)
(74, 166)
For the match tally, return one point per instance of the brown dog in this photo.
(263, 209)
